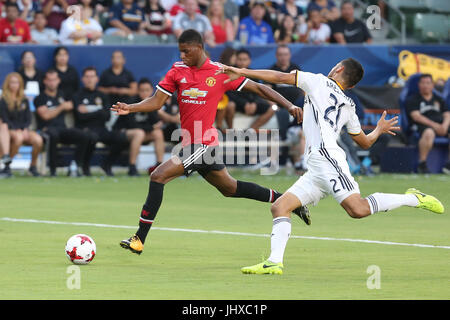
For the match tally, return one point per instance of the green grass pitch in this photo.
(178, 264)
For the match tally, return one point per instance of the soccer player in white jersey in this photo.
(326, 110)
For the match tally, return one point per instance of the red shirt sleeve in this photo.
(27, 35)
(168, 85)
(236, 85)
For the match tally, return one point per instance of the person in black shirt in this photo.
(68, 75)
(348, 29)
(51, 107)
(149, 122)
(29, 71)
(431, 118)
(248, 102)
(15, 113)
(116, 81)
(91, 109)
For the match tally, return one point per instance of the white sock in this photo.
(388, 201)
(281, 231)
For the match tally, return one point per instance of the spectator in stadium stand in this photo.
(12, 28)
(227, 57)
(284, 64)
(155, 18)
(314, 30)
(248, 103)
(82, 31)
(148, 124)
(327, 8)
(287, 33)
(177, 8)
(51, 108)
(231, 11)
(290, 8)
(91, 109)
(90, 9)
(28, 8)
(40, 34)
(29, 72)
(252, 29)
(222, 27)
(117, 81)
(68, 75)
(56, 11)
(348, 29)
(191, 19)
(126, 19)
(170, 117)
(430, 117)
(15, 113)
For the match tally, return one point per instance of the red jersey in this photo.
(199, 92)
(20, 33)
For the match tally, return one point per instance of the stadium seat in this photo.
(410, 5)
(431, 26)
(438, 5)
(446, 93)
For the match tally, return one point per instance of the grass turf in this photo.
(187, 265)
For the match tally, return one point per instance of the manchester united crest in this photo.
(210, 81)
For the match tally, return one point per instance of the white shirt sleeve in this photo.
(306, 81)
(353, 125)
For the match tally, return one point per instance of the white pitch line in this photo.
(101, 225)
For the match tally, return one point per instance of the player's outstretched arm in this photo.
(271, 76)
(383, 126)
(268, 93)
(150, 104)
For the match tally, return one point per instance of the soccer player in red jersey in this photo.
(199, 92)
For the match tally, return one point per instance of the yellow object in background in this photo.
(411, 63)
(223, 103)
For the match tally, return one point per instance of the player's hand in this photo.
(388, 126)
(121, 109)
(233, 73)
(297, 113)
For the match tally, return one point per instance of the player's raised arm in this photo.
(265, 75)
(383, 126)
(268, 93)
(150, 104)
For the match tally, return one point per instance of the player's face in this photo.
(336, 69)
(51, 81)
(190, 53)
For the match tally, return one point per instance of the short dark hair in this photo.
(425, 75)
(51, 70)
(241, 51)
(353, 71)
(12, 4)
(144, 81)
(346, 2)
(191, 36)
(90, 68)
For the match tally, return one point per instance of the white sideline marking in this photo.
(101, 225)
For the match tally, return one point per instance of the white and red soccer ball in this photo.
(80, 249)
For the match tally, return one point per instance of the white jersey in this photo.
(326, 110)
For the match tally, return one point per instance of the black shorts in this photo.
(201, 158)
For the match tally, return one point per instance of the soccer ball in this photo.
(80, 249)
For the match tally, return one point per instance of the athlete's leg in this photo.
(166, 172)
(231, 187)
(358, 207)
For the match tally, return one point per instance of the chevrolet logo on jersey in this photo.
(194, 93)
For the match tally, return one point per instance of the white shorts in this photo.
(326, 175)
